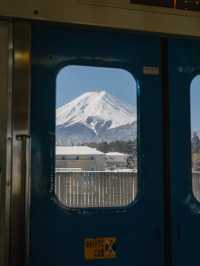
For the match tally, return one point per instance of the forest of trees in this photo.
(128, 147)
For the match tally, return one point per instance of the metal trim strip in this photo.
(6, 146)
(21, 145)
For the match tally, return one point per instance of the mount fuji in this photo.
(95, 116)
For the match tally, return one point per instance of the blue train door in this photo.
(96, 156)
(184, 69)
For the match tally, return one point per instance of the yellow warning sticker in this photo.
(100, 248)
(151, 71)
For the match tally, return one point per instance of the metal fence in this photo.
(89, 189)
(196, 184)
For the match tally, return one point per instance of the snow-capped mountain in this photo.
(95, 116)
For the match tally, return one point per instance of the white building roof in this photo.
(116, 154)
(77, 150)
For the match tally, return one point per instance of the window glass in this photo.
(195, 135)
(96, 137)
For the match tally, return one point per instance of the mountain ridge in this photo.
(95, 116)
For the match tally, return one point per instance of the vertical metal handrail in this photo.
(25, 172)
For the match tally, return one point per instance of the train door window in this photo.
(195, 135)
(96, 132)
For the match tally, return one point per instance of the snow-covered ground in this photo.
(78, 170)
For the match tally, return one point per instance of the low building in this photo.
(80, 157)
(116, 160)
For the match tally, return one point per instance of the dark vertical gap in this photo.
(166, 151)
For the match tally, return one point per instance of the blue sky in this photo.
(195, 103)
(72, 81)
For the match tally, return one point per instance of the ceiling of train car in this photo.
(120, 14)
